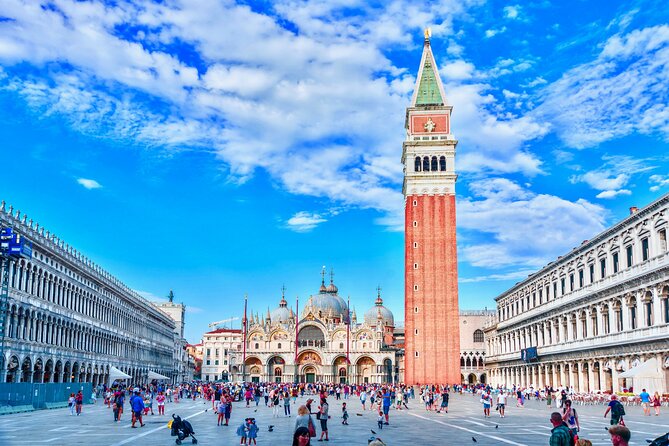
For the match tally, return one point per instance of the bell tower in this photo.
(432, 349)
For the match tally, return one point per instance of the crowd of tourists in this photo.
(315, 414)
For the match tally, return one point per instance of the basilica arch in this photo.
(365, 369)
(310, 366)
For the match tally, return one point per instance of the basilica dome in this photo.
(326, 303)
(282, 313)
(378, 311)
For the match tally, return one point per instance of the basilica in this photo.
(320, 344)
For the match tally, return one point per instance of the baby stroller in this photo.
(181, 429)
(662, 440)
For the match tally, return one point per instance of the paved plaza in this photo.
(528, 426)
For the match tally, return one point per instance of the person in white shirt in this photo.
(501, 403)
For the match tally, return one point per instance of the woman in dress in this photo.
(657, 402)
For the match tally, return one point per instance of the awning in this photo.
(115, 374)
(154, 375)
(647, 369)
(648, 375)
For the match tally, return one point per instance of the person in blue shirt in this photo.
(137, 406)
(645, 402)
(386, 403)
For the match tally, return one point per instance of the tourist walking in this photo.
(344, 415)
(617, 411)
(276, 400)
(323, 416)
(137, 407)
(243, 431)
(363, 399)
(645, 402)
(71, 403)
(486, 400)
(386, 404)
(286, 404)
(570, 417)
(657, 402)
(303, 418)
(79, 401)
(501, 403)
(560, 435)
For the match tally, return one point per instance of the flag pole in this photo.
(297, 326)
(245, 324)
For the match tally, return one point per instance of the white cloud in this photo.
(457, 70)
(613, 175)
(88, 183)
(613, 193)
(304, 221)
(493, 32)
(513, 275)
(507, 225)
(511, 12)
(658, 182)
(621, 92)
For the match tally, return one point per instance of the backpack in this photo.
(618, 410)
(573, 438)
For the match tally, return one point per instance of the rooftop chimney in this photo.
(634, 210)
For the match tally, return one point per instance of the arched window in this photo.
(462, 361)
(442, 163)
(416, 166)
(478, 336)
(468, 363)
(341, 345)
(256, 346)
(480, 363)
(279, 345)
(426, 164)
(434, 167)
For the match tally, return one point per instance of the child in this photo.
(344, 415)
(161, 403)
(242, 431)
(380, 420)
(253, 431)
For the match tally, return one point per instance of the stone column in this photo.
(626, 315)
(657, 309)
(591, 377)
(614, 377)
(602, 376)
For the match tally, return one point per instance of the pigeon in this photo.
(270, 428)
(474, 439)
(373, 431)
(256, 410)
(359, 414)
(496, 426)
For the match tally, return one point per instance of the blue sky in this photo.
(222, 148)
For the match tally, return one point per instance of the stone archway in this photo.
(38, 371)
(58, 372)
(67, 372)
(48, 371)
(340, 369)
(13, 370)
(26, 370)
(365, 369)
(471, 379)
(310, 363)
(253, 369)
(275, 368)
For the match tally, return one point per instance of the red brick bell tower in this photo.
(432, 346)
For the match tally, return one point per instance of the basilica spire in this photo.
(429, 89)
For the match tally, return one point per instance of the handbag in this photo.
(311, 427)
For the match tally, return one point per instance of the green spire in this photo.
(428, 87)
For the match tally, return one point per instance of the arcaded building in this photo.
(596, 318)
(432, 350)
(66, 319)
(473, 345)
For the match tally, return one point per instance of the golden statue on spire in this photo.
(428, 33)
